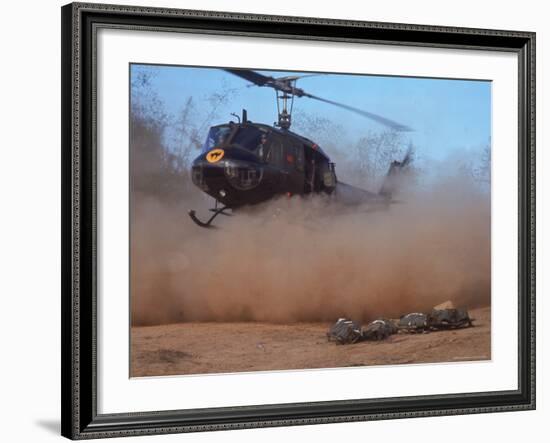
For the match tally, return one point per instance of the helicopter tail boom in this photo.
(352, 195)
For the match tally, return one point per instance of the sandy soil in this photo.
(197, 348)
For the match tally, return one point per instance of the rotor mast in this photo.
(284, 113)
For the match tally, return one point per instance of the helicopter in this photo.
(246, 163)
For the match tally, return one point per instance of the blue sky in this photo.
(446, 115)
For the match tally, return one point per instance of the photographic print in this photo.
(322, 220)
(288, 220)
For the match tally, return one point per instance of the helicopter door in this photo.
(274, 151)
(294, 164)
(299, 155)
(311, 170)
(289, 157)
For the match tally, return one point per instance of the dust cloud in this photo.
(305, 259)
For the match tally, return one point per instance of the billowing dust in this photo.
(303, 259)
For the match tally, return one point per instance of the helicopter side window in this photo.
(274, 151)
(299, 157)
(262, 148)
(249, 138)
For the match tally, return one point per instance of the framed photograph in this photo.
(274, 221)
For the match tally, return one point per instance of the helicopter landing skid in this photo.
(208, 223)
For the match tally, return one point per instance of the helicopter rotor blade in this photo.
(283, 84)
(251, 76)
(295, 77)
(377, 118)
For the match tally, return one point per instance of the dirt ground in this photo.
(198, 348)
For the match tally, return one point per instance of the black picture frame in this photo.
(79, 175)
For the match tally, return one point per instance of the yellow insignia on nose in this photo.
(215, 155)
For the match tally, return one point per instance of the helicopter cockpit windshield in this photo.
(217, 136)
(250, 138)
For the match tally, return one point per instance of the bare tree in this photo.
(477, 167)
(189, 126)
(364, 162)
(322, 130)
(483, 171)
(163, 144)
